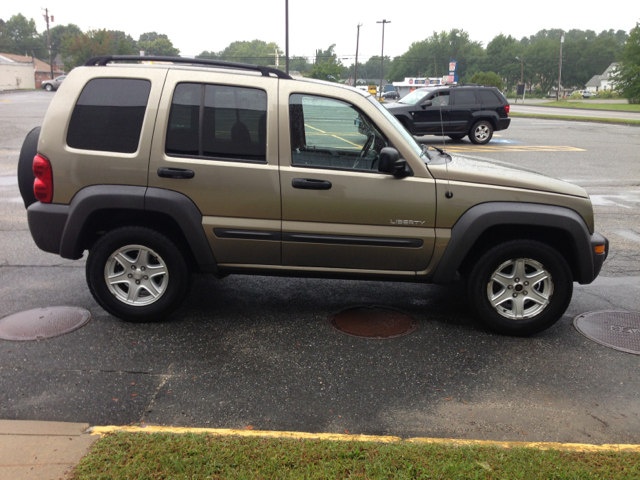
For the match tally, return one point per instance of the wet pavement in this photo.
(261, 352)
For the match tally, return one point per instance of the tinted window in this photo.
(108, 115)
(464, 97)
(216, 121)
(487, 97)
(329, 133)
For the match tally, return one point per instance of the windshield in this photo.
(396, 123)
(415, 97)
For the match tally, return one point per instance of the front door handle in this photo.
(310, 184)
(175, 172)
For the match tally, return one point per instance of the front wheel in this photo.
(520, 287)
(137, 274)
(481, 132)
(48, 87)
(456, 137)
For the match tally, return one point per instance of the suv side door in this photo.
(434, 118)
(338, 211)
(464, 107)
(220, 129)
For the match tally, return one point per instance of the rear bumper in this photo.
(46, 223)
(503, 124)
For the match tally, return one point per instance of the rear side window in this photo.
(464, 97)
(487, 97)
(109, 114)
(218, 122)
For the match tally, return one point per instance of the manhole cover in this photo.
(42, 323)
(618, 330)
(373, 322)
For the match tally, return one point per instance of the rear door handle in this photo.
(310, 184)
(175, 172)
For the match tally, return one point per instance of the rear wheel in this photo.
(520, 287)
(481, 132)
(137, 274)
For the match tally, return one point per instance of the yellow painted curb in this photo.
(570, 447)
(248, 433)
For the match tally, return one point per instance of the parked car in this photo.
(391, 95)
(159, 171)
(586, 93)
(50, 85)
(455, 111)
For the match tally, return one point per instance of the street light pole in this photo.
(560, 67)
(382, 54)
(355, 74)
(286, 42)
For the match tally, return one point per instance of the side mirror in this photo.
(426, 104)
(391, 163)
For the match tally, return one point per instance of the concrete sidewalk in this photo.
(41, 450)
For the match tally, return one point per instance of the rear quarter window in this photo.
(109, 114)
(487, 97)
(464, 97)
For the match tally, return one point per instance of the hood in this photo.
(465, 169)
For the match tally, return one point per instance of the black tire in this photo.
(48, 87)
(481, 132)
(167, 254)
(456, 137)
(25, 167)
(557, 288)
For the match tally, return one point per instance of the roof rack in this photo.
(265, 71)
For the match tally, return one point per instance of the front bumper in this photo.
(598, 258)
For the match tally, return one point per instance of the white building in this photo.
(411, 83)
(602, 82)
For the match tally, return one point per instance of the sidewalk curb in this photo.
(576, 108)
(569, 447)
(573, 118)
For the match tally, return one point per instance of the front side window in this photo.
(416, 96)
(440, 99)
(218, 122)
(329, 133)
(109, 114)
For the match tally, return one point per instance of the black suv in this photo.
(455, 111)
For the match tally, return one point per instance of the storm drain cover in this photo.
(368, 321)
(617, 330)
(42, 323)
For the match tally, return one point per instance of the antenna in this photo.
(448, 193)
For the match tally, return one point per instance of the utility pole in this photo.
(382, 54)
(355, 75)
(286, 42)
(46, 17)
(560, 67)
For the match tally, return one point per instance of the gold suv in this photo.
(159, 170)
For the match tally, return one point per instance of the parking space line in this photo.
(512, 148)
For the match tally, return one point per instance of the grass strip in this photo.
(620, 121)
(198, 456)
(622, 107)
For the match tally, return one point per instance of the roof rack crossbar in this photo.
(265, 71)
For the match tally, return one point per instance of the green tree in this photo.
(370, 68)
(123, 43)
(627, 75)
(6, 43)
(58, 34)
(327, 66)
(159, 47)
(430, 57)
(21, 36)
(77, 50)
(487, 78)
(256, 52)
(504, 54)
(300, 64)
(151, 37)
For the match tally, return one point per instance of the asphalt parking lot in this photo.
(258, 352)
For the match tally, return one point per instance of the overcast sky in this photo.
(197, 26)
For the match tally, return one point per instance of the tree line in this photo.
(19, 36)
(532, 59)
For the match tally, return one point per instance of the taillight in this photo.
(506, 108)
(43, 184)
